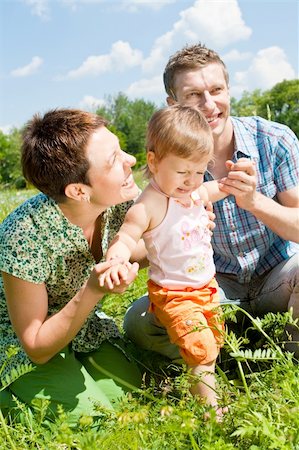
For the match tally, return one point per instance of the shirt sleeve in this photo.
(287, 157)
(21, 252)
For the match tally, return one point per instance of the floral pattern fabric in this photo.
(38, 244)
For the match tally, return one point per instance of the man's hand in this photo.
(241, 182)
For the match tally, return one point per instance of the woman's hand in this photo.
(113, 276)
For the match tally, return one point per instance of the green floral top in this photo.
(38, 244)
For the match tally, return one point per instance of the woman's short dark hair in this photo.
(54, 149)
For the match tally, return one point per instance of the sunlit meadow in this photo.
(256, 380)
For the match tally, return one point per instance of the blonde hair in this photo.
(179, 130)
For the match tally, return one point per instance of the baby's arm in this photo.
(237, 172)
(210, 191)
(135, 224)
(125, 242)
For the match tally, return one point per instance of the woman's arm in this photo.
(40, 335)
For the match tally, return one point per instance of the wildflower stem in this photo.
(2, 420)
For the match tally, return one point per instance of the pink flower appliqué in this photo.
(190, 237)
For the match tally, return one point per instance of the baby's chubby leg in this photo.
(144, 329)
(205, 388)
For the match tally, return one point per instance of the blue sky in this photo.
(75, 53)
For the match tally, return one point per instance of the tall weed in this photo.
(257, 380)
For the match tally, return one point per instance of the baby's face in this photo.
(178, 177)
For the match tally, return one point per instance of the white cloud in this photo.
(29, 69)
(73, 4)
(146, 88)
(268, 67)
(39, 8)
(90, 103)
(135, 5)
(235, 55)
(216, 23)
(7, 129)
(120, 58)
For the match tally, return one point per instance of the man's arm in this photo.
(281, 217)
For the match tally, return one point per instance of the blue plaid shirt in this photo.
(242, 244)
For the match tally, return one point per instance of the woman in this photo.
(51, 248)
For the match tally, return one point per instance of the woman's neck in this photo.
(84, 215)
(93, 235)
(89, 218)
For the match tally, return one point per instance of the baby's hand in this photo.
(211, 215)
(115, 274)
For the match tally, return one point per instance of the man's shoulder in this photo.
(259, 126)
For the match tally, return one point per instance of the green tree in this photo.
(280, 104)
(10, 166)
(248, 105)
(283, 103)
(129, 118)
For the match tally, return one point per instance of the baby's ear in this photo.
(151, 161)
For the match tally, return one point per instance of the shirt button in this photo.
(241, 254)
(188, 322)
(233, 228)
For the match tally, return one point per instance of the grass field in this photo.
(258, 382)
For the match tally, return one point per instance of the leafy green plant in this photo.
(256, 379)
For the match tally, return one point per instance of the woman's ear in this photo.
(151, 161)
(77, 191)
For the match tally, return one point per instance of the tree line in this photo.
(128, 120)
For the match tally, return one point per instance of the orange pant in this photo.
(192, 318)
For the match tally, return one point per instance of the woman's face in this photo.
(110, 173)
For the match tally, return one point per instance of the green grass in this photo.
(256, 379)
(11, 198)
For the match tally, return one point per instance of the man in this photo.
(255, 255)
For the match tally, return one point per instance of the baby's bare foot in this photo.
(220, 411)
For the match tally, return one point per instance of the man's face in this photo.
(205, 89)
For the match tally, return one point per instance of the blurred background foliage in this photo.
(128, 120)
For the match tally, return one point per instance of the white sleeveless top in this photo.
(179, 249)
